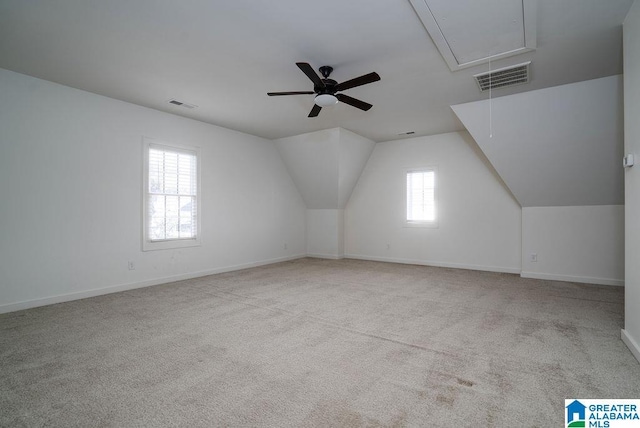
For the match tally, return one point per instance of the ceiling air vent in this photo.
(503, 77)
(181, 104)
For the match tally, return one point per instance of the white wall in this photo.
(478, 219)
(325, 233)
(325, 166)
(71, 174)
(559, 151)
(631, 31)
(312, 162)
(581, 244)
(354, 152)
(557, 146)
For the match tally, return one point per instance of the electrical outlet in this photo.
(132, 266)
(533, 257)
(285, 246)
(388, 246)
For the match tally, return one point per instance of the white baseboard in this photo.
(631, 344)
(570, 278)
(325, 256)
(11, 307)
(27, 304)
(434, 263)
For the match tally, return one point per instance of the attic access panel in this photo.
(470, 32)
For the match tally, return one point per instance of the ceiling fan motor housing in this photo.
(329, 84)
(329, 87)
(325, 70)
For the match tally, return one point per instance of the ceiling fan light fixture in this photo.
(325, 100)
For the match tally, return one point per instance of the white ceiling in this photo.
(325, 165)
(468, 33)
(471, 39)
(223, 56)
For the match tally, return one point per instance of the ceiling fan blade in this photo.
(315, 110)
(358, 81)
(274, 94)
(353, 102)
(308, 70)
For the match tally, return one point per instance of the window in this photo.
(421, 198)
(171, 196)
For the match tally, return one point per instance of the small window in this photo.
(171, 197)
(421, 198)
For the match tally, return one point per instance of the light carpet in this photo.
(318, 343)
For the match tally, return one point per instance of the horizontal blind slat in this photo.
(172, 196)
(421, 196)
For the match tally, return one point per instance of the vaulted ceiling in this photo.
(224, 56)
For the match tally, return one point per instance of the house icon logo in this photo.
(576, 414)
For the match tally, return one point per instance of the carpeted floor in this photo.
(318, 343)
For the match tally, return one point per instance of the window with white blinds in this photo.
(171, 197)
(421, 197)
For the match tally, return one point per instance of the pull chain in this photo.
(490, 104)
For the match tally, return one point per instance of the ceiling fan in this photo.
(326, 89)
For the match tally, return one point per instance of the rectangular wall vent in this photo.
(503, 77)
(181, 104)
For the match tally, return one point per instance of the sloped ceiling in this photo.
(225, 55)
(325, 165)
(557, 146)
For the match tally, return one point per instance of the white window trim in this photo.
(148, 245)
(418, 223)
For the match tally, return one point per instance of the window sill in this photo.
(421, 224)
(170, 244)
